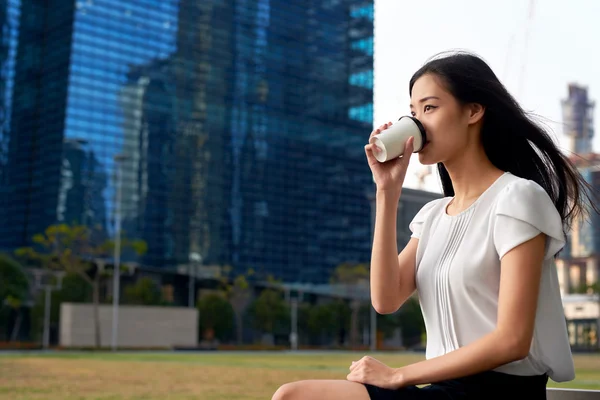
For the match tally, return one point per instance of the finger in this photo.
(408, 150)
(353, 377)
(380, 129)
(373, 148)
(409, 147)
(354, 365)
(376, 131)
(370, 156)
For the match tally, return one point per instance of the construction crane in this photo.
(523, 57)
(526, 45)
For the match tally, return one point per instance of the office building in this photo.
(238, 127)
(579, 263)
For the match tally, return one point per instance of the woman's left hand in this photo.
(374, 372)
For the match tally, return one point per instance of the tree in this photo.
(593, 289)
(74, 290)
(14, 289)
(584, 288)
(354, 277)
(386, 323)
(410, 320)
(145, 292)
(304, 332)
(328, 320)
(79, 250)
(238, 293)
(269, 311)
(216, 316)
(321, 320)
(343, 316)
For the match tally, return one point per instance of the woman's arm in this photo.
(520, 277)
(392, 275)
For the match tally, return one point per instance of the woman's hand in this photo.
(388, 176)
(374, 372)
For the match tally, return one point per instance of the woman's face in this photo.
(445, 120)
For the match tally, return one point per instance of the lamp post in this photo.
(117, 251)
(43, 280)
(294, 320)
(194, 260)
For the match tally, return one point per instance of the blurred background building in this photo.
(579, 263)
(239, 126)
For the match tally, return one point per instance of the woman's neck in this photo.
(471, 176)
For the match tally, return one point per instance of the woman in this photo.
(481, 258)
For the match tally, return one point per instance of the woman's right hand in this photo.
(388, 176)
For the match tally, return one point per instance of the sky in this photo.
(536, 48)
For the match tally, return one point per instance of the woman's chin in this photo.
(425, 157)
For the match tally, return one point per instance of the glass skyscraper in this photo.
(9, 22)
(238, 125)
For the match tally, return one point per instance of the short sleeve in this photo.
(416, 225)
(524, 210)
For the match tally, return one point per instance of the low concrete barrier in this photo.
(572, 394)
(139, 326)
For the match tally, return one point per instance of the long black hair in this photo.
(511, 139)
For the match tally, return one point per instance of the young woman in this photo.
(481, 258)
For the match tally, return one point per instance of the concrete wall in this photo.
(572, 394)
(139, 326)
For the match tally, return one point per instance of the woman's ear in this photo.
(476, 112)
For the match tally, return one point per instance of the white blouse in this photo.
(458, 272)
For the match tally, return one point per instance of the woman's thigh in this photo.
(322, 390)
(346, 390)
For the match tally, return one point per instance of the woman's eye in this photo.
(413, 113)
(428, 108)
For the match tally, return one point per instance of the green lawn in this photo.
(206, 376)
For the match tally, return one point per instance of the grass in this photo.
(205, 376)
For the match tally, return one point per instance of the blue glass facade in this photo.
(301, 109)
(37, 120)
(241, 122)
(9, 20)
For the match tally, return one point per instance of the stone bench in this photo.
(572, 394)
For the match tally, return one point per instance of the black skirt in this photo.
(487, 385)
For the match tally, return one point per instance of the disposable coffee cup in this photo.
(391, 141)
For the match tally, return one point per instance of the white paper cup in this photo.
(391, 141)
